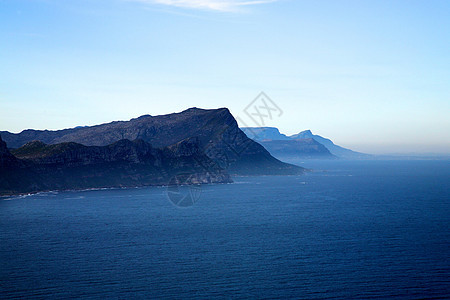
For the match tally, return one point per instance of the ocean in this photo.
(347, 230)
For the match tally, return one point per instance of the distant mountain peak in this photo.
(269, 134)
(307, 132)
(264, 133)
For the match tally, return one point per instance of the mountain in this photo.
(264, 134)
(286, 148)
(7, 160)
(215, 130)
(270, 137)
(334, 149)
(290, 150)
(37, 166)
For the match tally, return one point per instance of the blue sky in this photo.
(371, 75)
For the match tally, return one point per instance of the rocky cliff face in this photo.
(215, 131)
(7, 160)
(38, 166)
(73, 154)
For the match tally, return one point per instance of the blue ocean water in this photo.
(363, 229)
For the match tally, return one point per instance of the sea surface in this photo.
(348, 230)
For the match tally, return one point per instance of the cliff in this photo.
(38, 167)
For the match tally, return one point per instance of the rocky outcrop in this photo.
(7, 160)
(38, 167)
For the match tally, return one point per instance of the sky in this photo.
(373, 76)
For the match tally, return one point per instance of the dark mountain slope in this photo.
(40, 167)
(216, 131)
(7, 160)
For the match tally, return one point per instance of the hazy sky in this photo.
(371, 75)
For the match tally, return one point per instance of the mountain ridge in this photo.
(288, 150)
(217, 132)
(261, 134)
(330, 145)
(195, 138)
